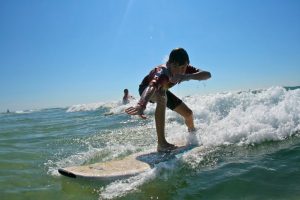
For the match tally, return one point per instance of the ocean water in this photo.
(251, 143)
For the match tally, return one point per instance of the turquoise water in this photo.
(251, 140)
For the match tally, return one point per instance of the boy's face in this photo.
(178, 69)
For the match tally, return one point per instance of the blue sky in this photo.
(59, 53)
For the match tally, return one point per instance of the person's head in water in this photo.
(126, 96)
(179, 56)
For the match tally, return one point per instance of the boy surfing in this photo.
(154, 88)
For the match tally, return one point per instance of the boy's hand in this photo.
(137, 110)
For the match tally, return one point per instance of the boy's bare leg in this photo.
(187, 114)
(160, 113)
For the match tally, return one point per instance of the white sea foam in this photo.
(26, 111)
(114, 107)
(120, 108)
(93, 106)
(84, 107)
(121, 187)
(248, 117)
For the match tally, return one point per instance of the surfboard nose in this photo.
(66, 173)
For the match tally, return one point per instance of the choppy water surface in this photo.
(251, 140)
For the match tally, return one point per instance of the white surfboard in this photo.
(128, 166)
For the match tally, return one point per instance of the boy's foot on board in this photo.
(166, 148)
(192, 139)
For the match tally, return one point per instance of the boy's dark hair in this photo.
(179, 56)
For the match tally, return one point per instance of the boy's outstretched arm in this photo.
(141, 105)
(201, 75)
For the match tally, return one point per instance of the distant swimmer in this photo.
(155, 89)
(7, 111)
(126, 97)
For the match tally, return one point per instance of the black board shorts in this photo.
(172, 100)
